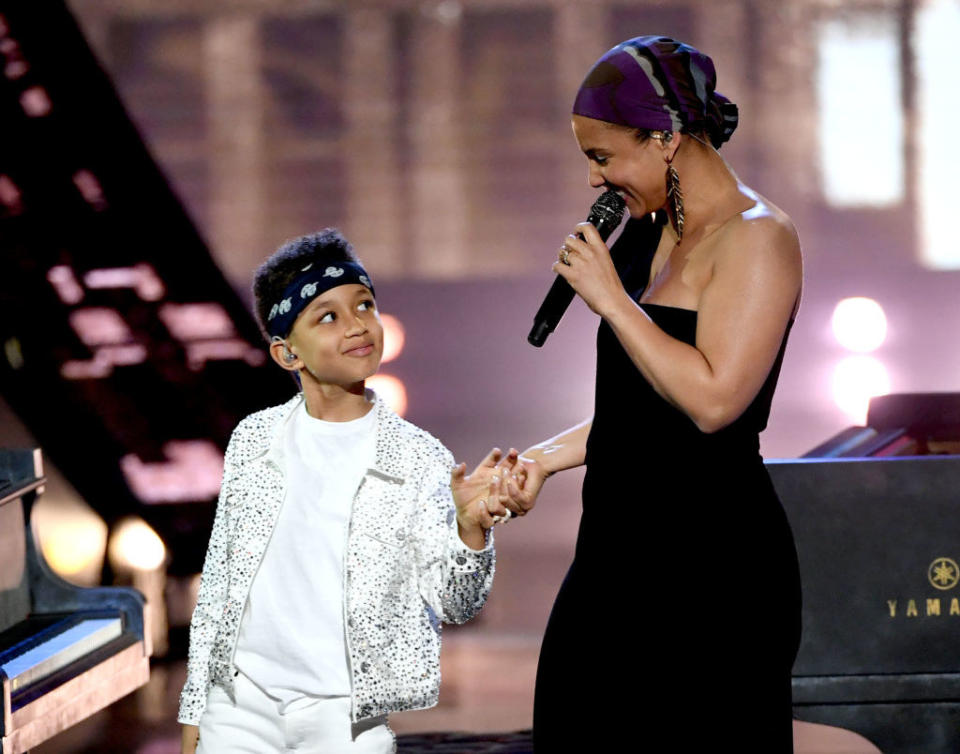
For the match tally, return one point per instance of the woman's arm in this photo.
(536, 463)
(563, 451)
(742, 315)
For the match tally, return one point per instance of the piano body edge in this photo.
(877, 654)
(77, 699)
(96, 679)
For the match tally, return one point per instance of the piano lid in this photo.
(21, 470)
(900, 424)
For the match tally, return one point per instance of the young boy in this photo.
(340, 540)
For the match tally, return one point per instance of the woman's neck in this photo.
(711, 191)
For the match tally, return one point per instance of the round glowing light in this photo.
(71, 547)
(391, 390)
(134, 544)
(394, 337)
(856, 380)
(859, 324)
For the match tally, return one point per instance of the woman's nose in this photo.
(594, 178)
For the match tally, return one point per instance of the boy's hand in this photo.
(189, 736)
(479, 495)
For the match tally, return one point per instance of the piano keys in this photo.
(55, 647)
(65, 651)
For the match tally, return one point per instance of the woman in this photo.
(681, 608)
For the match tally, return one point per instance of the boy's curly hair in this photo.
(327, 246)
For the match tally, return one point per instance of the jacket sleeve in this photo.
(454, 579)
(210, 600)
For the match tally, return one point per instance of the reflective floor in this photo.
(485, 708)
(487, 689)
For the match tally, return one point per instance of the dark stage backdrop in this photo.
(125, 352)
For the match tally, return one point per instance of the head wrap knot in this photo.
(658, 84)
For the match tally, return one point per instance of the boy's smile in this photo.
(360, 351)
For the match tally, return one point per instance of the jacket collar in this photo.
(386, 464)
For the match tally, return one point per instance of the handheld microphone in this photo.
(605, 214)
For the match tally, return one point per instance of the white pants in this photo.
(319, 725)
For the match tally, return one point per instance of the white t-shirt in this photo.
(292, 642)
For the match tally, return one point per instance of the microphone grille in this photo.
(609, 206)
(607, 212)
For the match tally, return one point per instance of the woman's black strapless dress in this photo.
(679, 618)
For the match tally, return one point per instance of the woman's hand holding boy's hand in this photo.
(480, 495)
(526, 477)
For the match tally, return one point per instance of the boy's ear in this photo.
(283, 356)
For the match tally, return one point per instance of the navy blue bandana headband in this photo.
(310, 283)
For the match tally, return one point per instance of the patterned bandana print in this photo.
(658, 84)
(310, 283)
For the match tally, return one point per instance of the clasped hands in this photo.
(500, 487)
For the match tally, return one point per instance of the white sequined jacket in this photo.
(406, 568)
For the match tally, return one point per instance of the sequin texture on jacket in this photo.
(406, 568)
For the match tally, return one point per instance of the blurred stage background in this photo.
(436, 135)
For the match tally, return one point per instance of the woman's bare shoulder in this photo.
(763, 226)
(759, 248)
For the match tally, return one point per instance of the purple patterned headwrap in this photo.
(658, 84)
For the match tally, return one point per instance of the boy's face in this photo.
(338, 338)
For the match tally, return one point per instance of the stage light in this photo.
(391, 390)
(72, 540)
(394, 337)
(138, 557)
(191, 470)
(65, 283)
(857, 379)
(142, 278)
(99, 325)
(859, 324)
(196, 320)
(860, 53)
(68, 549)
(134, 545)
(934, 45)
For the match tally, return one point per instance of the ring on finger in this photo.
(565, 254)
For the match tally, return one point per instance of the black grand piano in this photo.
(65, 651)
(876, 516)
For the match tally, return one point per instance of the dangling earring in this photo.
(675, 199)
(674, 193)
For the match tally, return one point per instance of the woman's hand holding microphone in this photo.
(584, 262)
